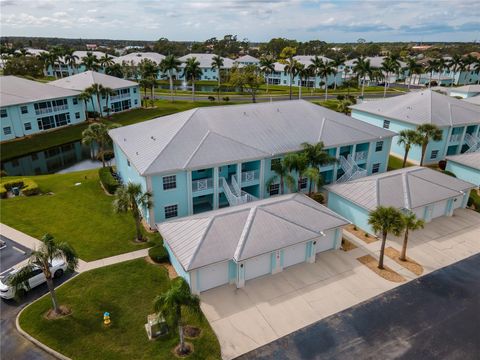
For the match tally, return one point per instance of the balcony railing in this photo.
(202, 184)
(455, 138)
(251, 175)
(118, 97)
(51, 109)
(361, 155)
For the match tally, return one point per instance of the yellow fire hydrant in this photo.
(106, 318)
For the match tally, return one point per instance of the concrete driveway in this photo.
(273, 306)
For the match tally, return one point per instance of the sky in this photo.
(256, 20)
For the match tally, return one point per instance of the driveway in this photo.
(276, 305)
(12, 254)
(434, 317)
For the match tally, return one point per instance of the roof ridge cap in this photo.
(443, 186)
(406, 190)
(197, 148)
(204, 235)
(245, 231)
(239, 142)
(288, 220)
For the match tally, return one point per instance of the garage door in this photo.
(326, 242)
(457, 202)
(257, 266)
(419, 212)
(294, 255)
(213, 276)
(439, 209)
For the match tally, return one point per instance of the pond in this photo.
(204, 88)
(60, 159)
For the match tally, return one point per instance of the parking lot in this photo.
(12, 254)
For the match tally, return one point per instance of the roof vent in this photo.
(278, 110)
(136, 152)
(153, 138)
(245, 113)
(124, 139)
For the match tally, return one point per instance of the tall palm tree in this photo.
(44, 58)
(176, 302)
(303, 72)
(267, 66)
(432, 66)
(282, 175)
(96, 89)
(71, 59)
(324, 71)
(363, 69)
(316, 155)
(296, 162)
(385, 220)
(145, 84)
(59, 53)
(286, 58)
(168, 65)
(107, 93)
(428, 132)
(90, 62)
(97, 133)
(412, 68)
(388, 67)
(106, 61)
(192, 71)
(129, 198)
(316, 64)
(336, 64)
(455, 64)
(217, 63)
(408, 138)
(86, 96)
(443, 65)
(410, 222)
(42, 258)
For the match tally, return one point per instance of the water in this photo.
(204, 88)
(60, 159)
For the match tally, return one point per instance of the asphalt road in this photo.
(12, 254)
(434, 317)
(12, 344)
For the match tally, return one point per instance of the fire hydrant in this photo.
(106, 318)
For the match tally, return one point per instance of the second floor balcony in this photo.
(455, 138)
(361, 156)
(51, 109)
(202, 185)
(119, 97)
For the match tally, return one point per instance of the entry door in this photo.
(294, 255)
(257, 266)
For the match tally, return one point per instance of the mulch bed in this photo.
(191, 332)
(347, 245)
(52, 315)
(361, 234)
(177, 353)
(386, 273)
(410, 265)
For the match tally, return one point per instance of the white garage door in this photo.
(326, 242)
(419, 212)
(213, 276)
(439, 209)
(257, 266)
(294, 255)
(457, 202)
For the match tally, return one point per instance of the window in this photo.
(379, 146)
(171, 211)
(169, 182)
(77, 115)
(274, 162)
(24, 109)
(134, 90)
(45, 123)
(3, 113)
(434, 154)
(375, 168)
(75, 101)
(274, 189)
(386, 124)
(7, 130)
(34, 156)
(302, 183)
(27, 126)
(128, 163)
(136, 102)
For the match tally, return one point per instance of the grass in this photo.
(331, 104)
(127, 291)
(395, 163)
(80, 215)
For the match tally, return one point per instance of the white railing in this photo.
(235, 196)
(473, 143)
(248, 197)
(236, 188)
(231, 197)
(252, 175)
(202, 184)
(361, 155)
(351, 170)
(455, 138)
(118, 97)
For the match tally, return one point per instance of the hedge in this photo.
(159, 254)
(474, 200)
(28, 187)
(108, 181)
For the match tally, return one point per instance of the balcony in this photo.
(455, 138)
(249, 176)
(51, 109)
(202, 185)
(361, 156)
(119, 97)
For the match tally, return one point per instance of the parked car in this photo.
(58, 267)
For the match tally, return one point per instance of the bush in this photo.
(318, 197)
(226, 99)
(158, 254)
(28, 187)
(109, 183)
(474, 200)
(211, 98)
(340, 97)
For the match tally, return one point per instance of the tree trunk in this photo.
(182, 339)
(218, 89)
(405, 157)
(335, 81)
(291, 80)
(267, 84)
(282, 185)
(102, 153)
(309, 187)
(152, 100)
(254, 97)
(382, 250)
(403, 255)
(430, 80)
(385, 86)
(138, 226)
(193, 89)
(300, 90)
(171, 83)
(424, 150)
(326, 89)
(99, 106)
(51, 290)
(363, 86)
(409, 82)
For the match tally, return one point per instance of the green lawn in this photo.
(80, 215)
(395, 163)
(331, 104)
(126, 290)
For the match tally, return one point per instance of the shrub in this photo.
(28, 187)
(366, 235)
(211, 98)
(340, 97)
(474, 200)
(355, 227)
(226, 99)
(109, 183)
(158, 254)
(3, 173)
(318, 197)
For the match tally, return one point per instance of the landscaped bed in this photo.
(361, 234)
(386, 273)
(409, 264)
(126, 291)
(81, 215)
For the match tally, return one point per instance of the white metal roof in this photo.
(302, 59)
(473, 100)
(85, 79)
(375, 61)
(15, 90)
(407, 188)
(247, 59)
(467, 89)
(205, 60)
(422, 107)
(247, 230)
(137, 57)
(471, 160)
(204, 137)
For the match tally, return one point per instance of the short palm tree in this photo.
(105, 61)
(282, 175)
(314, 178)
(71, 59)
(192, 71)
(267, 66)
(145, 84)
(389, 66)
(410, 223)
(443, 64)
(174, 303)
(86, 96)
(286, 58)
(42, 258)
(344, 106)
(303, 72)
(411, 66)
(217, 63)
(90, 62)
(428, 132)
(336, 64)
(324, 71)
(129, 198)
(169, 65)
(97, 133)
(455, 64)
(107, 93)
(316, 155)
(432, 66)
(408, 138)
(385, 220)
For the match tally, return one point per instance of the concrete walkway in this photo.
(32, 243)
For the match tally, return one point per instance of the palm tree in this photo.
(282, 174)
(192, 71)
(296, 162)
(217, 63)
(174, 303)
(107, 92)
(316, 155)
(131, 197)
(42, 258)
(86, 96)
(316, 63)
(412, 68)
(432, 66)
(97, 133)
(336, 63)
(314, 177)
(455, 65)
(363, 69)
(145, 84)
(408, 138)
(428, 132)
(324, 70)
(385, 220)
(286, 58)
(105, 61)
(96, 89)
(344, 106)
(303, 72)
(410, 222)
(90, 62)
(45, 59)
(59, 53)
(71, 59)
(168, 65)
(443, 64)
(267, 66)
(388, 66)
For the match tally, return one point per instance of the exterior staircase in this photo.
(351, 169)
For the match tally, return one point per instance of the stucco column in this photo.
(240, 275)
(151, 211)
(465, 199)
(215, 187)
(312, 246)
(261, 178)
(276, 263)
(371, 149)
(194, 282)
(354, 149)
(336, 165)
(338, 238)
(462, 139)
(447, 142)
(189, 192)
(239, 175)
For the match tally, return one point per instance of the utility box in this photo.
(155, 326)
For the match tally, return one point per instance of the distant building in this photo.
(91, 46)
(62, 69)
(465, 167)
(28, 107)
(205, 60)
(247, 60)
